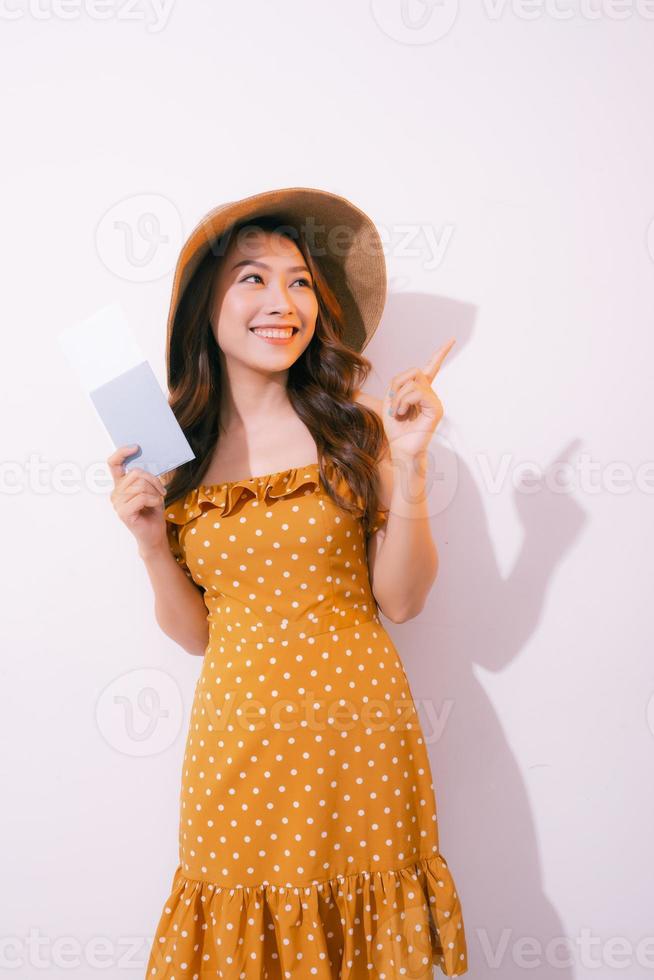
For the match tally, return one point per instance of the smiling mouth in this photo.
(274, 331)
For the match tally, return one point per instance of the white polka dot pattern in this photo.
(308, 830)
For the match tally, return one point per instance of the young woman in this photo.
(308, 832)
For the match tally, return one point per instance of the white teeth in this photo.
(269, 332)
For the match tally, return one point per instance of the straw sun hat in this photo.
(341, 236)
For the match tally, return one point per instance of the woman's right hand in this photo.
(138, 498)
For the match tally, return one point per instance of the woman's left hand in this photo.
(411, 407)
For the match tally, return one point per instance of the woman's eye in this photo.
(255, 275)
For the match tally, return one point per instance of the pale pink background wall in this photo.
(506, 153)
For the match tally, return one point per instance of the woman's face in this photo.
(263, 282)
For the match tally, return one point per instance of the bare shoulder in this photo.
(368, 400)
(363, 398)
(384, 463)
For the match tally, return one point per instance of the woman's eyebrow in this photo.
(293, 268)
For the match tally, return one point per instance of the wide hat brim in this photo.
(343, 239)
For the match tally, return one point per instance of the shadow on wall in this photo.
(474, 616)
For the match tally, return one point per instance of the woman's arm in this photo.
(138, 497)
(179, 605)
(402, 555)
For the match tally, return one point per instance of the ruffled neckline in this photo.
(264, 476)
(225, 496)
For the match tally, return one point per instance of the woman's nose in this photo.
(279, 299)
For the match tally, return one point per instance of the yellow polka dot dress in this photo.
(308, 837)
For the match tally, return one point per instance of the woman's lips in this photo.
(280, 339)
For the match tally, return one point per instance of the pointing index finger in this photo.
(436, 360)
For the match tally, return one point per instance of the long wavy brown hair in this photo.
(350, 437)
